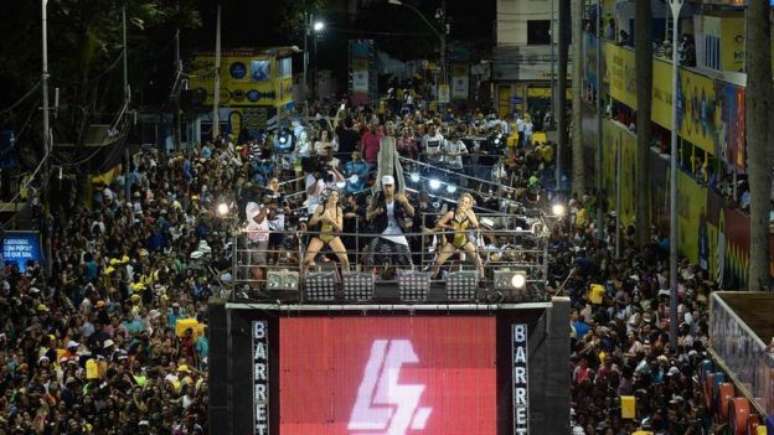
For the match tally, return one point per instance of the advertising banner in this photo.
(245, 80)
(699, 106)
(691, 213)
(360, 375)
(732, 125)
(360, 81)
(460, 82)
(19, 247)
(618, 139)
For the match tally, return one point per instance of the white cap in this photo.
(388, 180)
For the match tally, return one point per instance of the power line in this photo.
(21, 100)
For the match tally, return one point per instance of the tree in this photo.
(85, 48)
(758, 94)
(643, 54)
(578, 171)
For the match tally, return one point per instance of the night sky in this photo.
(250, 23)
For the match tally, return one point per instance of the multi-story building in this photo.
(524, 54)
(713, 206)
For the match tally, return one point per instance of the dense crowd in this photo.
(114, 340)
(620, 327)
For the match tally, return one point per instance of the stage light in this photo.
(435, 184)
(318, 26)
(341, 184)
(506, 279)
(223, 209)
(518, 281)
(558, 210)
(414, 177)
(451, 188)
(320, 286)
(462, 285)
(278, 280)
(414, 286)
(358, 286)
(354, 179)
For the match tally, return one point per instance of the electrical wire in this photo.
(25, 186)
(21, 100)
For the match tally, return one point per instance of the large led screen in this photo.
(432, 375)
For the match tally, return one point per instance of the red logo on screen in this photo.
(383, 406)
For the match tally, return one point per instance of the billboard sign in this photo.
(19, 247)
(361, 375)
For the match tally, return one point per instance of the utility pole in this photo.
(553, 64)
(676, 5)
(561, 112)
(216, 97)
(46, 204)
(600, 213)
(314, 64)
(127, 97)
(444, 29)
(305, 87)
(179, 69)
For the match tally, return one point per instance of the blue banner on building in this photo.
(19, 247)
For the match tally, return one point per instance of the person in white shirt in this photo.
(453, 149)
(520, 129)
(257, 237)
(528, 129)
(433, 145)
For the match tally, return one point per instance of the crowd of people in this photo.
(112, 339)
(620, 334)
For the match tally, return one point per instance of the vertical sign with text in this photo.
(261, 376)
(520, 388)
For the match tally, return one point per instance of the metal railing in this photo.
(500, 248)
(743, 353)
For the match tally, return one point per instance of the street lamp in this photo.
(441, 13)
(314, 27)
(676, 5)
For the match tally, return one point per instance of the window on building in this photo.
(539, 32)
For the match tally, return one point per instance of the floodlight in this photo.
(506, 279)
(414, 286)
(462, 285)
(358, 286)
(435, 184)
(320, 286)
(518, 281)
(281, 280)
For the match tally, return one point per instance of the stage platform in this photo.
(388, 293)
